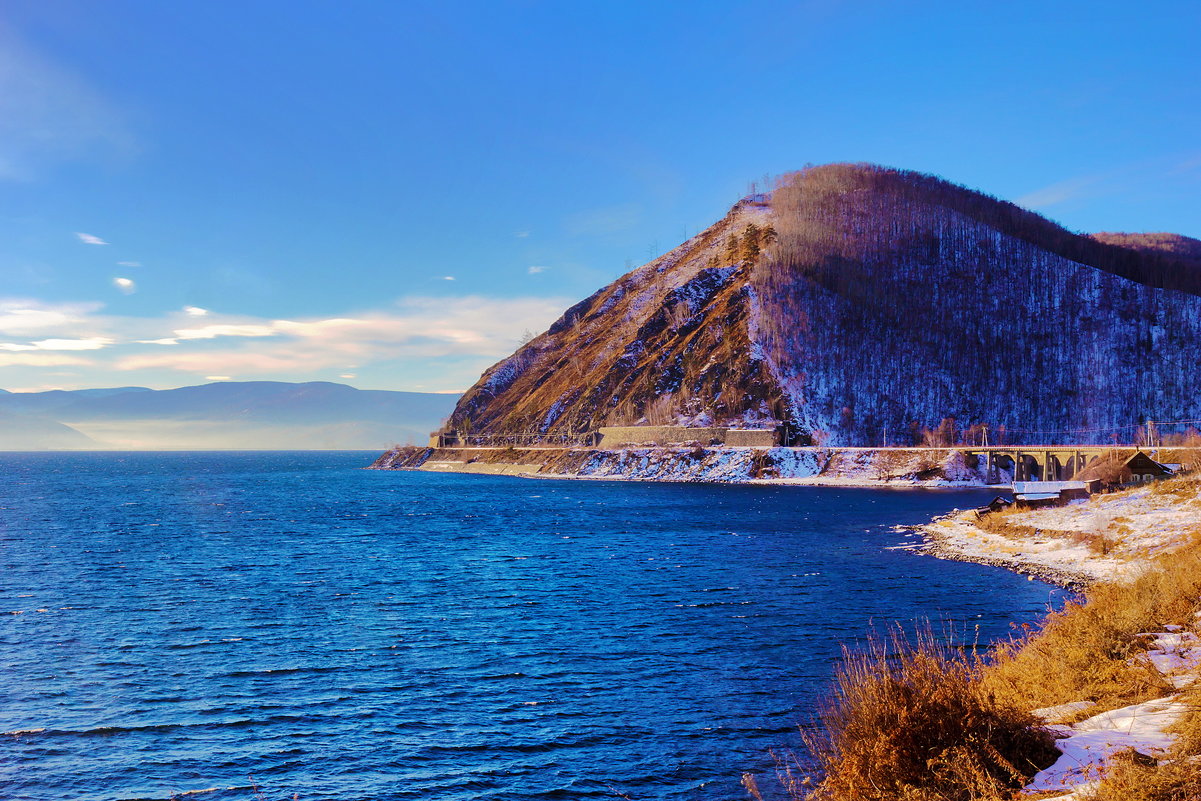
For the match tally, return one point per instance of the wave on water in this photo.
(367, 636)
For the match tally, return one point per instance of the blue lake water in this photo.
(176, 622)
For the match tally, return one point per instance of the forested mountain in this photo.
(860, 302)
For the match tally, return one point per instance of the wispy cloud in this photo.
(418, 327)
(41, 360)
(1058, 192)
(49, 115)
(126, 285)
(1189, 164)
(195, 311)
(1123, 179)
(521, 234)
(449, 339)
(219, 330)
(90, 343)
(534, 269)
(448, 278)
(24, 317)
(128, 263)
(89, 239)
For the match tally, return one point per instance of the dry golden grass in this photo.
(1086, 650)
(930, 723)
(1133, 779)
(909, 721)
(1004, 522)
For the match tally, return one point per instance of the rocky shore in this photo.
(1105, 538)
(943, 546)
(898, 467)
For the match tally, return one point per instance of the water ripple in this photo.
(176, 623)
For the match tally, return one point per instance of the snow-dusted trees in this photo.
(892, 300)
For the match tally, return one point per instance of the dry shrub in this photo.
(1086, 650)
(1001, 522)
(1184, 486)
(1186, 445)
(763, 465)
(930, 723)
(1130, 778)
(1188, 728)
(909, 720)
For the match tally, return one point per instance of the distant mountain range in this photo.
(863, 304)
(266, 415)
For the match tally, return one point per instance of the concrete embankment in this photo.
(842, 466)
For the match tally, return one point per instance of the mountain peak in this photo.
(861, 303)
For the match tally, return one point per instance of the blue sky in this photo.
(390, 194)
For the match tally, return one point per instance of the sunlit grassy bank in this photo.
(1111, 680)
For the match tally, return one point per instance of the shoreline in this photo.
(940, 546)
(812, 481)
(930, 468)
(1107, 547)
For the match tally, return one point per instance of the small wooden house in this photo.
(1141, 468)
(999, 503)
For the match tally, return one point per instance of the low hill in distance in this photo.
(866, 305)
(267, 415)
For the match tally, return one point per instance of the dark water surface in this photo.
(174, 622)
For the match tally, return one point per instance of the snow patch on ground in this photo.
(1109, 537)
(1088, 745)
(505, 373)
(957, 536)
(723, 465)
(779, 465)
(1176, 654)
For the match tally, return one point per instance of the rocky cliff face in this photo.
(862, 303)
(669, 341)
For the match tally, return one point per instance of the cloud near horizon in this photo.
(24, 316)
(419, 328)
(419, 341)
(90, 343)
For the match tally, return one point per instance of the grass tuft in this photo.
(1087, 650)
(908, 720)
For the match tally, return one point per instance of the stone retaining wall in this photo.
(617, 436)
